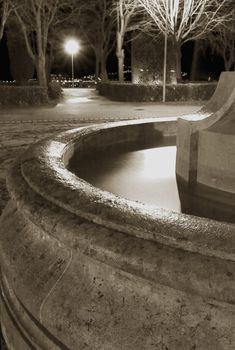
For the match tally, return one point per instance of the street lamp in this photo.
(72, 47)
(165, 55)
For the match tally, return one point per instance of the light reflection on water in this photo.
(146, 175)
(77, 100)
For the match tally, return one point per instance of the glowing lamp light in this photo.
(72, 47)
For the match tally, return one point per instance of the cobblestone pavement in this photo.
(15, 137)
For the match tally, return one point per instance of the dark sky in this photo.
(208, 64)
(4, 60)
(84, 62)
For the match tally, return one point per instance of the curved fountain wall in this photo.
(205, 163)
(84, 269)
(191, 144)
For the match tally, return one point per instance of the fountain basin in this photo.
(84, 269)
(143, 175)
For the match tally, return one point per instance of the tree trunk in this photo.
(120, 56)
(177, 51)
(104, 74)
(3, 18)
(41, 71)
(49, 62)
(121, 66)
(1, 31)
(226, 65)
(228, 61)
(97, 66)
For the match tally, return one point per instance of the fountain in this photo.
(205, 164)
(82, 268)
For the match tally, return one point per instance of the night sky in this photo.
(4, 60)
(84, 62)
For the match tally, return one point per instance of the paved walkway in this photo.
(85, 105)
(23, 126)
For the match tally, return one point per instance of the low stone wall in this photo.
(144, 93)
(22, 95)
(82, 268)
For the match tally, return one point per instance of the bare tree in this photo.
(222, 42)
(187, 20)
(98, 26)
(130, 18)
(5, 9)
(37, 18)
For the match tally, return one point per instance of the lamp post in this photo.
(72, 47)
(165, 56)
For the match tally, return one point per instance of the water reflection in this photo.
(148, 176)
(144, 175)
(201, 200)
(77, 100)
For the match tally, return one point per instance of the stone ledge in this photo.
(90, 268)
(44, 170)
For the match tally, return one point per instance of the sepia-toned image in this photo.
(117, 174)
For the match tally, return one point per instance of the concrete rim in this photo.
(43, 171)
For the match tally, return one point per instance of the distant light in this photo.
(72, 46)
